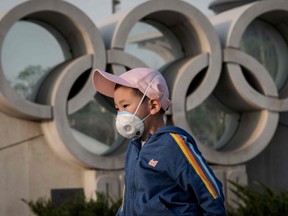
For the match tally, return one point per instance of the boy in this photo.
(165, 174)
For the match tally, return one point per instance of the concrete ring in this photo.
(236, 92)
(231, 26)
(61, 137)
(255, 128)
(194, 30)
(81, 35)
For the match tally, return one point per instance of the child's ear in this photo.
(155, 106)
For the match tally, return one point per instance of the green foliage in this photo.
(28, 78)
(259, 201)
(76, 207)
(85, 119)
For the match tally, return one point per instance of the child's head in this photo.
(138, 94)
(149, 82)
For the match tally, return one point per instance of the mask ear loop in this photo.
(143, 98)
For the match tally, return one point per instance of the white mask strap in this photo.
(144, 96)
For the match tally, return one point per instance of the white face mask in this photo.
(129, 125)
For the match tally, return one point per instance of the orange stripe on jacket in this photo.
(194, 164)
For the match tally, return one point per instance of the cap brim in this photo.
(105, 82)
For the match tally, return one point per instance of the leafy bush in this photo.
(259, 201)
(76, 207)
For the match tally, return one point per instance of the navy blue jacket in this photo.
(169, 176)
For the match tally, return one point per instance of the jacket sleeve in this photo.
(198, 178)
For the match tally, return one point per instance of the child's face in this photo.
(125, 99)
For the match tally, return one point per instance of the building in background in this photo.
(218, 6)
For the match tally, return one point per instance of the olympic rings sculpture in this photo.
(212, 63)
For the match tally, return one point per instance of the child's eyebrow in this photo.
(121, 101)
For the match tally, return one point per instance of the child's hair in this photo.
(140, 94)
(136, 91)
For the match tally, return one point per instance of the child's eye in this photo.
(125, 105)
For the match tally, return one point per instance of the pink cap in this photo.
(148, 81)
